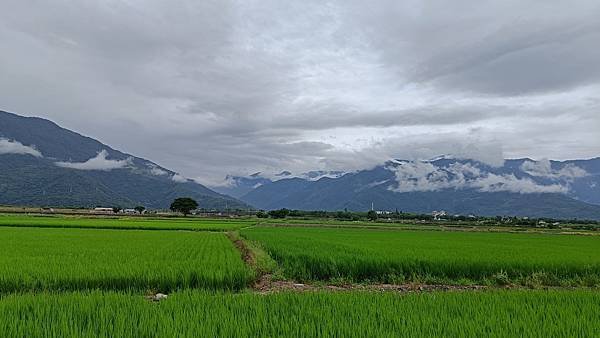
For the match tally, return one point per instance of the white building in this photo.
(101, 210)
(437, 215)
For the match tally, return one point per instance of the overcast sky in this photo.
(208, 88)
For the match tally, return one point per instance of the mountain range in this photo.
(42, 164)
(519, 187)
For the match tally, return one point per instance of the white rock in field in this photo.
(159, 296)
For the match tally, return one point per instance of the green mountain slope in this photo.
(37, 180)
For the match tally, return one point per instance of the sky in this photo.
(210, 88)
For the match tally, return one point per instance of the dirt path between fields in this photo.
(266, 285)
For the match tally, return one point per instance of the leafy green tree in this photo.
(184, 205)
(372, 215)
(140, 209)
(116, 209)
(262, 214)
(281, 213)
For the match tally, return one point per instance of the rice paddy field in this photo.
(359, 255)
(91, 277)
(75, 259)
(126, 223)
(321, 314)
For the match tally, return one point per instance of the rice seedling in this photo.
(128, 223)
(431, 256)
(321, 314)
(72, 259)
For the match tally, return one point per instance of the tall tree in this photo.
(184, 205)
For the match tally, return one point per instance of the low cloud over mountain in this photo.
(520, 187)
(100, 162)
(68, 169)
(425, 176)
(16, 147)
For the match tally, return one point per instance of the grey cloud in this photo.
(16, 147)
(215, 87)
(100, 162)
(501, 48)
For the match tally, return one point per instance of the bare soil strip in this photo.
(247, 254)
(266, 285)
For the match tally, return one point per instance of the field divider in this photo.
(115, 227)
(427, 227)
(265, 268)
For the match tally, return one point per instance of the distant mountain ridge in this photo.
(238, 186)
(42, 164)
(521, 187)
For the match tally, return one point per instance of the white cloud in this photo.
(228, 182)
(156, 171)
(510, 183)
(423, 176)
(179, 178)
(16, 147)
(543, 168)
(100, 162)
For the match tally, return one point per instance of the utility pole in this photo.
(372, 206)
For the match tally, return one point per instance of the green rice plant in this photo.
(431, 256)
(75, 259)
(126, 223)
(320, 314)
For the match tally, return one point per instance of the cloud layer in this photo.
(215, 87)
(100, 162)
(16, 147)
(543, 168)
(424, 176)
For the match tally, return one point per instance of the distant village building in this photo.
(130, 211)
(101, 210)
(437, 215)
